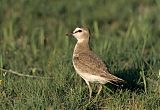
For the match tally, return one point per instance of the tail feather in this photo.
(116, 81)
(113, 79)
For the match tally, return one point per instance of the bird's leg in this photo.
(99, 90)
(90, 90)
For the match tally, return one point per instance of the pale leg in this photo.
(99, 90)
(90, 90)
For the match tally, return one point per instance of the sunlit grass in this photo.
(32, 41)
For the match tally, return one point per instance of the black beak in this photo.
(69, 34)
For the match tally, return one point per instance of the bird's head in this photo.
(81, 34)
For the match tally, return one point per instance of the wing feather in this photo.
(91, 63)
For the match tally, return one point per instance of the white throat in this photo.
(80, 40)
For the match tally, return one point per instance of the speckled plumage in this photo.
(86, 61)
(87, 64)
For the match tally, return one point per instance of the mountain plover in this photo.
(87, 64)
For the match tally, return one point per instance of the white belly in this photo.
(91, 78)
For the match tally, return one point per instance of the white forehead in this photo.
(77, 29)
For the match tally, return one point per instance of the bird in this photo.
(87, 64)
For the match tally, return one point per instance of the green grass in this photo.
(32, 41)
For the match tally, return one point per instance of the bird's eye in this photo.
(79, 30)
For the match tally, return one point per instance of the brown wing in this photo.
(91, 63)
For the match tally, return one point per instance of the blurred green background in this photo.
(126, 34)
